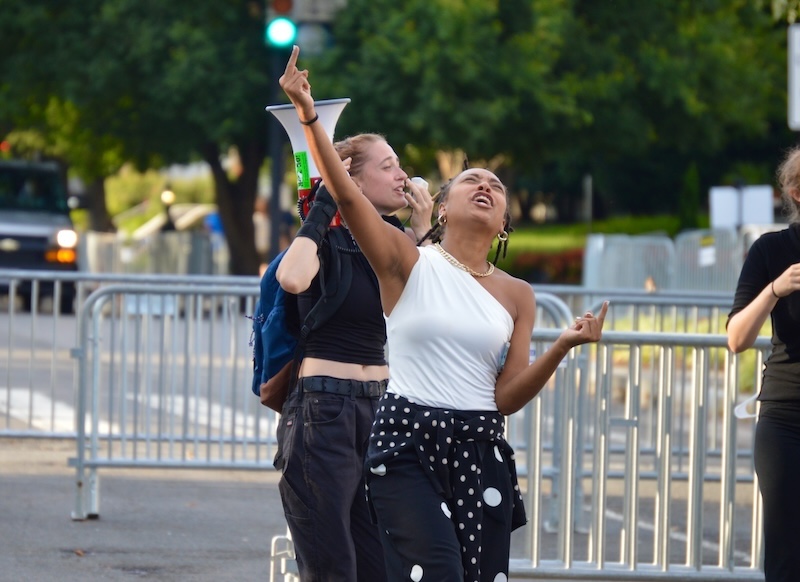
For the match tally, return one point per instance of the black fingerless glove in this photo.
(322, 211)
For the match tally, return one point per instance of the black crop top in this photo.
(356, 333)
(768, 257)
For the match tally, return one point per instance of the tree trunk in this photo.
(525, 199)
(235, 201)
(99, 220)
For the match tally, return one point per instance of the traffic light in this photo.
(281, 29)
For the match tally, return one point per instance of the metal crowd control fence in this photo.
(164, 375)
(38, 381)
(632, 464)
(654, 508)
(629, 261)
(658, 311)
(177, 252)
(700, 259)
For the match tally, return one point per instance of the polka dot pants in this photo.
(442, 485)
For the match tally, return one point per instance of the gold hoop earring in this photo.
(502, 236)
(442, 220)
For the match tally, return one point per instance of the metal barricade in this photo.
(708, 260)
(164, 373)
(178, 252)
(630, 460)
(38, 382)
(667, 310)
(655, 510)
(628, 261)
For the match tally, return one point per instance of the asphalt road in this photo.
(154, 524)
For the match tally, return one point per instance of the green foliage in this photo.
(564, 268)
(749, 173)
(129, 188)
(631, 92)
(783, 9)
(143, 81)
(661, 223)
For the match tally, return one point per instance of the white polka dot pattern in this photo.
(449, 445)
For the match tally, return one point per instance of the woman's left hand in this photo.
(588, 328)
(421, 203)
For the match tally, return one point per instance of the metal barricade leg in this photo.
(92, 486)
(283, 564)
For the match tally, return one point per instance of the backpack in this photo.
(278, 335)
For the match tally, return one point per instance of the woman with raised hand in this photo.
(441, 478)
(326, 420)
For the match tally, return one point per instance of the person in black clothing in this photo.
(328, 417)
(767, 286)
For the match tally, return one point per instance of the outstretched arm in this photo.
(520, 381)
(389, 251)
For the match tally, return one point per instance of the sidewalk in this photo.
(154, 524)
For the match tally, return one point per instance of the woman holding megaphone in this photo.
(326, 420)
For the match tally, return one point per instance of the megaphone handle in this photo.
(304, 196)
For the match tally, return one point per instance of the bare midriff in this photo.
(319, 367)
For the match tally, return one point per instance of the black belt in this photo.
(357, 388)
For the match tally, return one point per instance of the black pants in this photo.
(323, 438)
(419, 537)
(443, 487)
(777, 461)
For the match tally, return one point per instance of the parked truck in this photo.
(36, 231)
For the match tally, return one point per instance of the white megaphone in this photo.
(306, 170)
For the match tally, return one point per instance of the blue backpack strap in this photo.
(258, 348)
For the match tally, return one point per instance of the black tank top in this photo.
(356, 333)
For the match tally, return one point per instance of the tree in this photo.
(36, 120)
(628, 91)
(788, 9)
(166, 81)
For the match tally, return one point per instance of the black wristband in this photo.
(322, 211)
(313, 230)
(310, 121)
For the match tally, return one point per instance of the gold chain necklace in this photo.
(456, 263)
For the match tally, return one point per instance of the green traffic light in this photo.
(281, 32)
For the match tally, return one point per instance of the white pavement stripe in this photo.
(220, 418)
(38, 411)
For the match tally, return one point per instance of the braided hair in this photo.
(436, 233)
